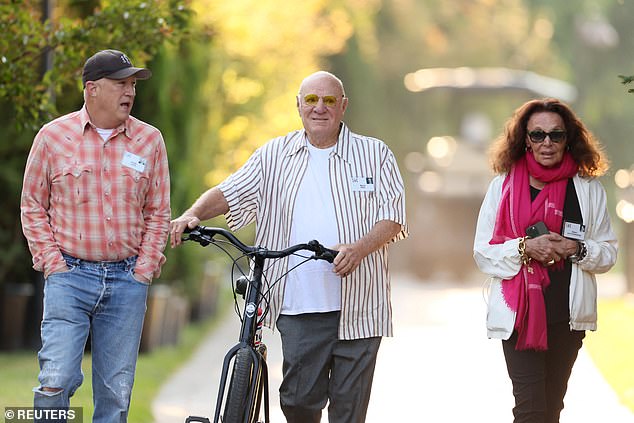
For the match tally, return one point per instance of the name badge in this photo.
(134, 162)
(574, 231)
(362, 183)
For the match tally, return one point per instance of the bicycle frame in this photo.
(257, 367)
(259, 372)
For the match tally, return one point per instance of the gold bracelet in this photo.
(521, 248)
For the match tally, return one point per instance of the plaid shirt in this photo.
(96, 200)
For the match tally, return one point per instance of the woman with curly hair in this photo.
(543, 232)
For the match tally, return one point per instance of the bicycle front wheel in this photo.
(245, 374)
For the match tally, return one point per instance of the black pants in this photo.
(540, 378)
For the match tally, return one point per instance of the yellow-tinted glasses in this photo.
(313, 99)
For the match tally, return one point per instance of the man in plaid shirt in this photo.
(95, 211)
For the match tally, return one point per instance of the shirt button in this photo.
(108, 219)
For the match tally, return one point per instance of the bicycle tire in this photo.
(242, 378)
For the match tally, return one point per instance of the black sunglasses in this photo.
(555, 136)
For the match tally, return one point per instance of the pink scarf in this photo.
(524, 291)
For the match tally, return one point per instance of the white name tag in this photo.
(574, 231)
(362, 183)
(134, 162)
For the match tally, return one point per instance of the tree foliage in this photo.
(263, 51)
(138, 27)
(30, 95)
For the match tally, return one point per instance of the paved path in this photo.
(440, 367)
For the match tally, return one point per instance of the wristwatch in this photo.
(579, 254)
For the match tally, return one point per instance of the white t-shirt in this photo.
(313, 287)
(104, 133)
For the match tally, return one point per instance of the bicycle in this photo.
(248, 383)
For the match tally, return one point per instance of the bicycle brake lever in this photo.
(328, 255)
(321, 252)
(195, 235)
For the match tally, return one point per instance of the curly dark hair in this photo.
(585, 149)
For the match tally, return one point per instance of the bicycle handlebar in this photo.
(205, 235)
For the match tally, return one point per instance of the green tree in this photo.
(31, 95)
(264, 51)
(137, 26)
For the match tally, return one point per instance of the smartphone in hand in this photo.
(537, 229)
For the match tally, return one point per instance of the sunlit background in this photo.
(435, 79)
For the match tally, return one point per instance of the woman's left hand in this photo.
(549, 249)
(564, 247)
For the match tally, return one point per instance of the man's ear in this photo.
(91, 88)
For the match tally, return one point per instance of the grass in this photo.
(19, 370)
(612, 346)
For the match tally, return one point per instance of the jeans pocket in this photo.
(134, 279)
(70, 269)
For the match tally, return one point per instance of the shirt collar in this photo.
(125, 127)
(342, 148)
(300, 141)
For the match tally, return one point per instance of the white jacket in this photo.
(502, 261)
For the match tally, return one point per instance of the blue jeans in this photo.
(105, 300)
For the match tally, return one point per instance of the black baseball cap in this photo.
(111, 64)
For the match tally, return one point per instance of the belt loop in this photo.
(73, 261)
(129, 263)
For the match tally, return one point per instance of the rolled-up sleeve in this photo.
(241, 190)
(392, 195)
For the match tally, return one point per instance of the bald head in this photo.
(323, 112)
(322, 75)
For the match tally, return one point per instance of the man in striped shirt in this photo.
(326, 183)
(95, 212)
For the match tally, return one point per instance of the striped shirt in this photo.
(264, 190)
(96, 200)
